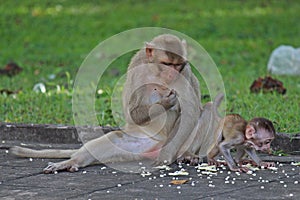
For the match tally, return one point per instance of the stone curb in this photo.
(62, 134)
(48, 133)
(288, 143)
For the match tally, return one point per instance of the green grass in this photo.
(53, 38)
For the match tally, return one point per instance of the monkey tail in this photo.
(45, 153)
(216, 104)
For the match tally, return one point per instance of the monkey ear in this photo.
(149, 50)
(250, 131)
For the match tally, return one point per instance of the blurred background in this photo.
(43, 44)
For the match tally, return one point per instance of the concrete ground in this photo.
(22, 178)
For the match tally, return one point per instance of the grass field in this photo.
(50, 39)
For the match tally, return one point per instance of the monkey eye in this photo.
(268, 142)
(179, 67)
(167, 63)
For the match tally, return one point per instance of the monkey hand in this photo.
(267, 164)
(169, 100)
(247, 161)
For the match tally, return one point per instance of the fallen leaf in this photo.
(11, 69)
(267, 84)
(178, 182)
(9, 92)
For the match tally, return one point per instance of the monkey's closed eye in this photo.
(267, 142)
(167, 63)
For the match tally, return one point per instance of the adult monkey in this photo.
(162, 62)
(172, 70)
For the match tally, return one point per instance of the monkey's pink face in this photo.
(260, 144)
(169, 74)
(171, 69)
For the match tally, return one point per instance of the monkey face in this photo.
(261, 141)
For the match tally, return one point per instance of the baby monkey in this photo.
(245, 137)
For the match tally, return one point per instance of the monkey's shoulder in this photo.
(233, 124)
(235, 119)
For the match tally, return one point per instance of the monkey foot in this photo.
(216, 163)
(247, 161)
(54, 167)
(192, 160)
(239, 169)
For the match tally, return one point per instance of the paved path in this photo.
(22, 179)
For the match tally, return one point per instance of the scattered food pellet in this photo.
(206, 167)
(119, 185)
(262, 187)
(143, 174)
(179, 173)
(208, 173)
(296, 182)
(273, 168)
(30, 159)
(163, 167)
(84, 172)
